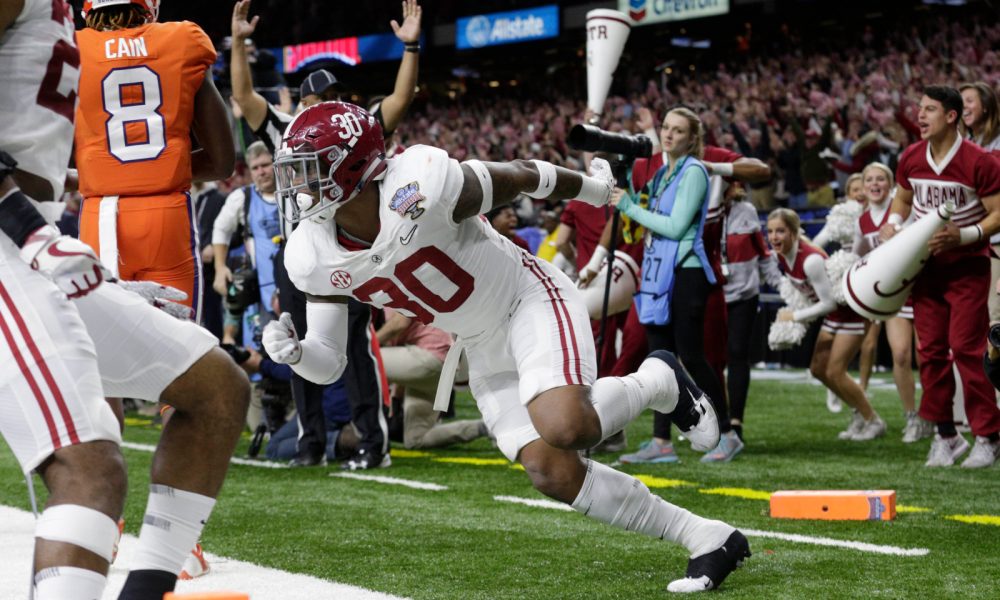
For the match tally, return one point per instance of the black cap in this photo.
(317, 83)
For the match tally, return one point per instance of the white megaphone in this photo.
(879, 283)
(607, 31)
(624, 284)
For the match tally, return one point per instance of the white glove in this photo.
(596, 189)
(281, 341)
(67, 262)
(601, 169)
(593, 266)
(163, 297)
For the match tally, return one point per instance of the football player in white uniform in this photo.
(52, 409)
(64, 356)
(406, 233)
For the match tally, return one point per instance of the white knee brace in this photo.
(78, 525)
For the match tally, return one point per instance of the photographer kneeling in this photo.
(341, 440)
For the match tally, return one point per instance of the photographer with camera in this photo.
(275, 398)
(254, 209)
(677, 276)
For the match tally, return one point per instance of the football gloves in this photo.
(281, 341)
(163, 297)
(67, 262)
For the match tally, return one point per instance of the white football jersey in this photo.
(40, 71)
(460, 277)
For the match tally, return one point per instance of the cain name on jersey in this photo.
(422, 263)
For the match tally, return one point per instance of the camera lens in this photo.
(994, 335)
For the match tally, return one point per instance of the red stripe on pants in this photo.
(559, 308)
(21, 364)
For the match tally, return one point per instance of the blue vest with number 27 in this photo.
(652, 301)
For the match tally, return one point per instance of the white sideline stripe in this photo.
(226, 574)
(263, 464)
(822, 541)
(535, 503)
(417, 485)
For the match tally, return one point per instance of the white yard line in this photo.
(417, 485)
(534, 502)
(852, 545)
(226, 574)
(263, 464)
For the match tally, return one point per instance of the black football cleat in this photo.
(693, 414)
(708, 571)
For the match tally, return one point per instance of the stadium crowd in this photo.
(868, 88)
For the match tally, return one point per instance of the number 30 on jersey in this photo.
(132, 98)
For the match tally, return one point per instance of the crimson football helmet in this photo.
(329, 153)
(151, 7)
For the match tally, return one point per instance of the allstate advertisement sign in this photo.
(646, 12)
(507, 27)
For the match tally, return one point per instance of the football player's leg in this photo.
(619, 499)
(556, 365)
(144, 353)
(56, 422)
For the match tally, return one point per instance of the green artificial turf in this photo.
(461, 543)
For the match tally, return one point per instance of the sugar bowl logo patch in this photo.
(340, 279)
(406, 201)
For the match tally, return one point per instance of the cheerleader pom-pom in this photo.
(839, 263)
(793, 298)
(842, 220)
(785, 335)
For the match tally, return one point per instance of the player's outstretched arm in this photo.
(253, 105)
(395, 104)
(321, 357)
(751, 170)
(216, 158)
(488, 185)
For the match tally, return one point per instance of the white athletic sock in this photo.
(621, 500)
(68, 583)
(618, 400)
(171, 527)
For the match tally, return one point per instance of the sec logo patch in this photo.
(340, 279)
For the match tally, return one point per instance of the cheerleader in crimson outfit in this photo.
(843, 330)
(878, 181)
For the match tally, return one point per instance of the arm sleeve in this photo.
(690, 196)
(987, 175)
(324, 355)
(816, 272)
(229, 218)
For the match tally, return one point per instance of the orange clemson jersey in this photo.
(137, 90)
